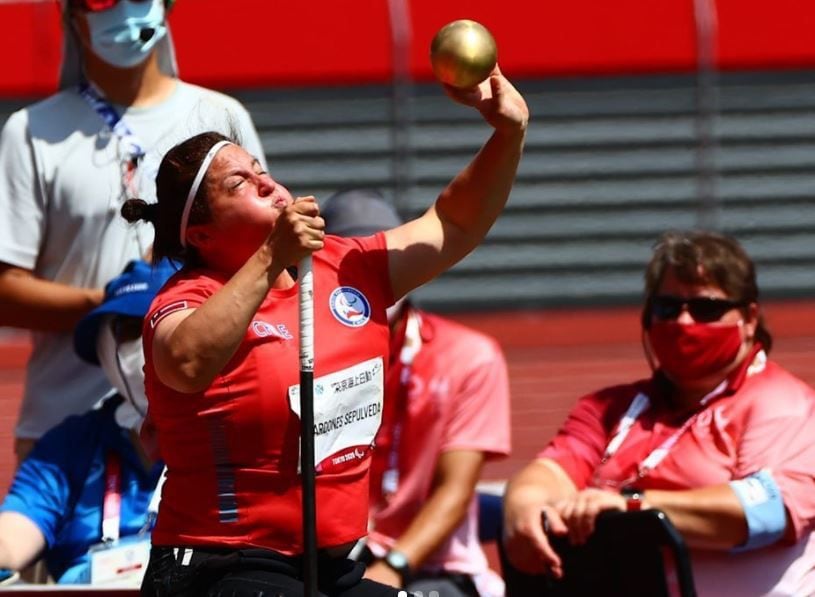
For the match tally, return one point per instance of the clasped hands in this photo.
(527, 537)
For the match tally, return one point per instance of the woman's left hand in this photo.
(580, 511)
(501, 105)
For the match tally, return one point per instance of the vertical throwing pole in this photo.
(306, 297)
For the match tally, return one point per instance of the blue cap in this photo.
(129, 294)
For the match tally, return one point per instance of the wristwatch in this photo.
(633, 498)
(399, 562)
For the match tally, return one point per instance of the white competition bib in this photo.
(347, 412)
(121, 563)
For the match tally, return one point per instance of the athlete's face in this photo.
(244, 200)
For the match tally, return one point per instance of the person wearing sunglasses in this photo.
(720, 437)
(67, 163)
(83, 499)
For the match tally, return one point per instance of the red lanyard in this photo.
(112, 505)
(410, 348)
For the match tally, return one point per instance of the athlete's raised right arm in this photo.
(463, 213)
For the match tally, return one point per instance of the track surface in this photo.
(554, 357)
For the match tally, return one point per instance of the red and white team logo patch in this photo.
(166, 310)
(349, 306)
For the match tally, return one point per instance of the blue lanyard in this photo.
(114, 121)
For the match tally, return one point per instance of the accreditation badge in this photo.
(120, 563)
(347, 413)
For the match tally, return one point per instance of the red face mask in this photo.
(694, 351)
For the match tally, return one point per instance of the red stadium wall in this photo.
(260, 43)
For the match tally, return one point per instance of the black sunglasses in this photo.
(703, 309)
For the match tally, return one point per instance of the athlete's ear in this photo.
(198, 237)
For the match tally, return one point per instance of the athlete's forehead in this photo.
(232, 158)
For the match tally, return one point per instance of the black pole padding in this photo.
(307, 469)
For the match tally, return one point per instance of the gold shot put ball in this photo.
(463, 53)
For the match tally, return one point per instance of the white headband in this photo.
(196, 182)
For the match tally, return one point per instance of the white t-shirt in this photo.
(61, 189)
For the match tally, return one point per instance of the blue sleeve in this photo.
(41, 489)
(763, 508)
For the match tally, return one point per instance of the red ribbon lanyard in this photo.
(410, 348)
(112, 505)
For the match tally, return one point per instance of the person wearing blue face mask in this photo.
(125, 34)
(86, 496)
(67, 164)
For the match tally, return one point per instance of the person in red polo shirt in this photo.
(719, 438)
(221, 352)
(446, 413)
